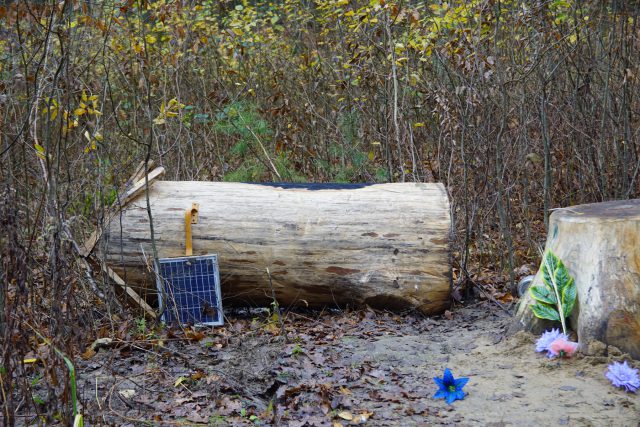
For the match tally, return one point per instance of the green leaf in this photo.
(550, 262)
(569, 294)
(78, 421)
(543, 294)
(558, 285)
(545, 312)
(561, 275)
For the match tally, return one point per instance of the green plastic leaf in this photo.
(545, 312)
(569, 294)
(549, 266)
(557, 284)
(561, 275)
(543, 294)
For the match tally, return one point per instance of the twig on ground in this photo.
(489, 296)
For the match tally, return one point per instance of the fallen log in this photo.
(600, 246)
(384, 245)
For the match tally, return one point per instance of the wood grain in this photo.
(385, 245)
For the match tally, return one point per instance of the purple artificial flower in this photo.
(623, 375)
(449, 387)
(545, 340)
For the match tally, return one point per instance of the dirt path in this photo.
(509, 383)
(355, 368)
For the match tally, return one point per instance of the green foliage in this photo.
(248, 171)
(141, 326)
(555, 299)
(287, 169)
(297, 350)
(239, 119)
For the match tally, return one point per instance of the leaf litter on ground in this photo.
(335, 368)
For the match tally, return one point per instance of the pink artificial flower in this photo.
(563, 348)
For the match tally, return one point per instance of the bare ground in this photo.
(348, 368)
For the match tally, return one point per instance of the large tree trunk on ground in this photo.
(385, 245)
(600, 245)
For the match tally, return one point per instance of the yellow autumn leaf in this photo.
(345, 415)
(79, 111)
(345, 391)
(151, 39)
(179, 381)
(237, 31)
(39, 150)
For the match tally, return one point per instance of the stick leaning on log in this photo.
(140, 184)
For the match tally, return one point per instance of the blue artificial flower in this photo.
(547, 338)
(450, 388)
(623, 375)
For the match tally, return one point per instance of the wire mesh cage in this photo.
(189, 287)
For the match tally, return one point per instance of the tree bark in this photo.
(600, 245)
(385, 245)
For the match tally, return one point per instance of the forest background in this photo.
(518, 107)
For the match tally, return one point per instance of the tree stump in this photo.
(599, 244)
(384, 245)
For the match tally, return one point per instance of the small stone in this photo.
(614, 351)
(596, 348)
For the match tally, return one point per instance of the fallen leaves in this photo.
(357, 419)
(127, 393)
(334, 370)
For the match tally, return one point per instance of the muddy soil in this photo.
(366, 368)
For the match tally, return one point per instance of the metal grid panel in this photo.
(192, 287)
